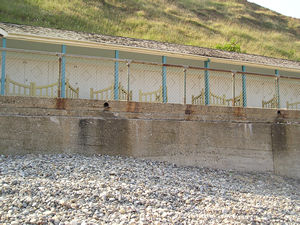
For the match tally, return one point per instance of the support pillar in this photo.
(128, 81)
(244, 87)
(116, 82)
(63, 72)
(277, 88)
(184, 87)
(3, 63)
(206, 73)
(164, 79)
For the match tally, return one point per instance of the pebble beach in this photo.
(75, 189)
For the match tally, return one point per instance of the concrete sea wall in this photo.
(245, 139)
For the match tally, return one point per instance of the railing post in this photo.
(164, 79)
(68, 91)
(277, 88)
(3, 63)
(244, 87)
(128, 80)
(32, 89)
(59, 76)
(206, 65)
(233, 88)
(116, 82)
(63, 72)
(184, 71)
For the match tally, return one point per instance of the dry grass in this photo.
(203, 23)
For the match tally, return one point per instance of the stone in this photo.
(182, 195)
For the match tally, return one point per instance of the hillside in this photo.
(205, 23)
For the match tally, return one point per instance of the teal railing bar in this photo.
(277, 88)
(63, 72)
(3, 63)
(244, 87)
(164, 79)
(116, 82)
(206, 72)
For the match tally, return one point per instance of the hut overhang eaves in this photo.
(73, 38)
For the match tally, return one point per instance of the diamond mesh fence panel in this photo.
(239, 95)
(146, 82)
(261, 91)
(220, 88)
(289, 92)
(38, 74)
(124, 91)
(90, 78)
(30, 74)
(175, 84)
(195, 87)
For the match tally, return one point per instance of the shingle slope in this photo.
(148, 44)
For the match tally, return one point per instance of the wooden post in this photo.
(140, 96)
(91, 93)
(68, 91)
(128, 81)
(233, 89)
(32, 90)
(164, 80)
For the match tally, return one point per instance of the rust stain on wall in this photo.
(238, 111)
(60, 103)
(188, 112)
(133, 107)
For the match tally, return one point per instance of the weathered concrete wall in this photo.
(217, 137)
(286, 149)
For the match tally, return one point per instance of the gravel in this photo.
(74, 189)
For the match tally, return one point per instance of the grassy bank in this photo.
(204, 23)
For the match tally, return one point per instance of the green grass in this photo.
(204, 23)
